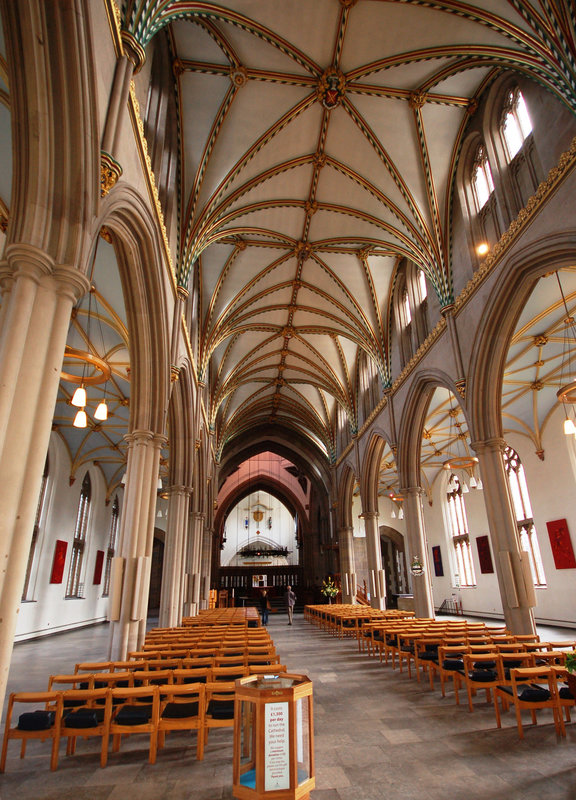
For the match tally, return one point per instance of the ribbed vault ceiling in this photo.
(319, 146)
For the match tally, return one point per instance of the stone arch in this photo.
(345, 490)
(412, 423)
(131, 227)
(54, 154)
(510, 292)
(180, 426)
(370, 471)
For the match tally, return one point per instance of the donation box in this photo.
(273, 737)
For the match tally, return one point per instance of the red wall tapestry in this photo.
(561, 544)
(484, 554)
(98, 567)
(437, 558)
(59, 561)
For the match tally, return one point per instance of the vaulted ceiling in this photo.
(319, 141)
(319, 145)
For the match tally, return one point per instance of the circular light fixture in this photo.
(103, 368)
(460, 462)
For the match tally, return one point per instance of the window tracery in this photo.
(73, 587)
(459, 534)
(524, 517)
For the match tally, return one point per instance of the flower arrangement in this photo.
(329, 588)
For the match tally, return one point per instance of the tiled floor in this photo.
(378, 735)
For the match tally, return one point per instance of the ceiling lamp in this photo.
(79, 397)
(80, 420)
(94, 371)
(567, 392)
(101, 412)
(461, 462)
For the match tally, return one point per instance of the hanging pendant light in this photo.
(79, 397)
(393, 514)
(401, 513)
(80, 420)
(101, 412)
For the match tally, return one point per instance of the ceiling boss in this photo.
(331, 88)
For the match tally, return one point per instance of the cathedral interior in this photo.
(287, 296)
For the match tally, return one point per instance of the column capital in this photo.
(199, 515)
(412, 491)
(71, 281)
(145, 437)
(28, 261)
(495, 444)
(345, 529)
(369, 515)
(138, 437)
(179, 490)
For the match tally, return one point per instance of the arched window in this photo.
(459, 534)
(111, 545)
(482, 181)
(523, 510)
(516, 124)
(27, 591)
(73, 587)
(410, 310)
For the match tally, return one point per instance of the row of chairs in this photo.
(512, 670)
(113, 713)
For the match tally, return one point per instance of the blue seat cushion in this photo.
(180, 710)
(36, 720)
(221, 709)
(428, 655)
(452, 664)
(133, 715)
(83, 718)
(483, 675)
(534, 694)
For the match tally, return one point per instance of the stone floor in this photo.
(378, 735)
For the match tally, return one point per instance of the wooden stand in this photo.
(273, 738)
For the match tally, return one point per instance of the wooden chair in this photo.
(228, 673)
(532, 689)
(132, 717)
(270, 669)
(219, 706)
(451, 666)
(482, 671)
(93, 666)
(192, 675)
(42, 723)
(183, 708)
(90, 717)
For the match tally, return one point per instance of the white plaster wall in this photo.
(281, 534)
(552, 487)
(49, 611)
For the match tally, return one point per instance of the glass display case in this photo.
(273, 737)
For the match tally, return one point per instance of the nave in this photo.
(378, 734)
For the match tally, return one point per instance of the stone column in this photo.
(174, 563)
(35, 324)
(205, 567)
(418, 546)
(194, 561)
(131, 569)
(347, 564)
(512, 565)
(374, 555)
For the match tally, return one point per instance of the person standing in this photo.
(290, 599)
(264, 606)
